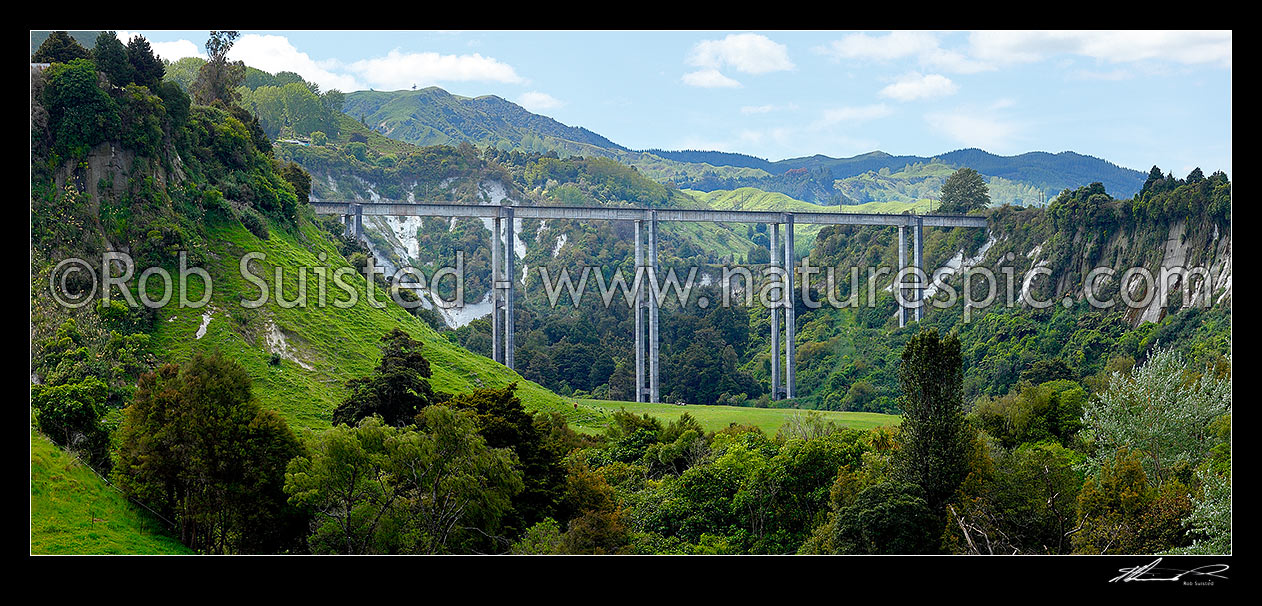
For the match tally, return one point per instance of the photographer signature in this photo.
(1150, 572)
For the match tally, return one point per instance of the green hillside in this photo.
(323, 346)
(74, 511)
(432, 116)
(749, 198)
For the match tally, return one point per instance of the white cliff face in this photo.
(459, 316)
(401, 242)
(957, 265)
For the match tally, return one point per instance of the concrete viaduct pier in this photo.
(647, 345)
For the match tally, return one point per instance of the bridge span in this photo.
(647, 366)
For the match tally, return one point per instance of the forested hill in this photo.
(432, 116)
(1041, 170)
(716, 158)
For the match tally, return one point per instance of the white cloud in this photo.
(276, 54)
(924, 46)
(914, 86)
(748, 53)
(974, 129)
(894, 45)
(1109, 76)
(709, 78)
(1187, 47)
(170, 51)
(766, 109)
(954, 62)
(536, 101)
(854, 114)
(398, 70)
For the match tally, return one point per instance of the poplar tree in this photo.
(935, 444)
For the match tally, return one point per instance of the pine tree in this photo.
(147, 68)
(59, 48)
(110, 56)
(1155, 176)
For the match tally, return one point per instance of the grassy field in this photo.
(750, 198)
(717, 417)
(73, 511)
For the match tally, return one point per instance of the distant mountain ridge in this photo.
(1053, 172)
(433, 116)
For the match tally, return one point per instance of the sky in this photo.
(1135, 98)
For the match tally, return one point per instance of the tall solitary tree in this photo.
(217, 79)
(935, 443)
(963, 191)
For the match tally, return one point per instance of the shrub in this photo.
(254, 222)
(80, 114)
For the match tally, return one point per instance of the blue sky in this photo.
(1136, 98)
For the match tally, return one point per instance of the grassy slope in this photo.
(74, 511)
(713, 418)
(338, 344)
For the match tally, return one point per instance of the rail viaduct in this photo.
(647, 363)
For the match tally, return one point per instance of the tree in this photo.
(1121, 512)
(1155, 176)
(319, 139)
(622, 382)
(147, 69)
(1026, 503)
(431, 488)
(110, 55)
(70, 415)
(333, 100)
(504, 422)
(964, 191)
(1210, 521)
(357, 150)
(59, 48)
(1048, 370)
(888, 518)
(176, 102)
(1196, 176)
(1162, 412)
(300, 179)
(80, 114)
(396, 391)
(196, 446)
(218, 79)
(183, 71)
(935, 443)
